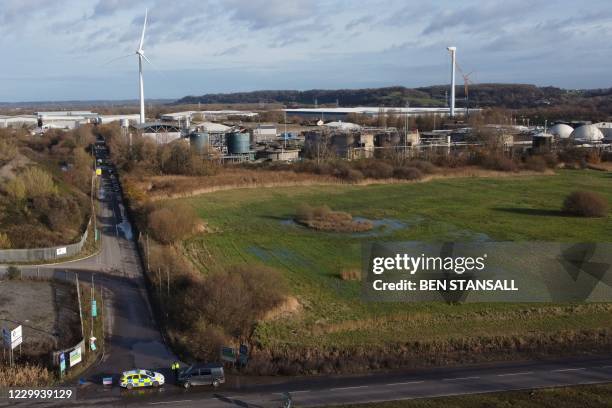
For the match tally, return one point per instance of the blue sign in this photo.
(62, 359)
(94, 308)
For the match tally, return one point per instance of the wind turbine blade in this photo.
(146, 59)
(144, 28)
(155, 68)
(116, 59)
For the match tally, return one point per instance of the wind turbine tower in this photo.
(141, 56)
(453, 51)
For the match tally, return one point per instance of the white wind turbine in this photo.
(141, 55)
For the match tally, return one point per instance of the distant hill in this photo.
(514, 96)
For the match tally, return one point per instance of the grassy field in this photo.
(254, 226)
(582, 396)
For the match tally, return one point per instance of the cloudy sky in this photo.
(60, 49)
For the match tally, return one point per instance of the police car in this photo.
(140, 378)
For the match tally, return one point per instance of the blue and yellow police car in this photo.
(141, 378)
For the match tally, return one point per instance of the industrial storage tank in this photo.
(238, 143)
(587, 133)
(561, 130)
(199, 141)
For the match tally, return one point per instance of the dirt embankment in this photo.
(168, 187)
(417, 354)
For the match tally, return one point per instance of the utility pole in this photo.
(453, 51)
(92, 300)
(285, 137)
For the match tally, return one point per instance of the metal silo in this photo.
(199, 141)
(238, 143)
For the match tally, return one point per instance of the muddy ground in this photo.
(48, 312)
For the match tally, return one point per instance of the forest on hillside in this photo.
(512, 96)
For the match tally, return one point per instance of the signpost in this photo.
(60, 251)
(94, 308)
(12, 339)
(75, 356)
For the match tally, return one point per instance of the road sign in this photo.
(60, 251)
(228, 354)
(244, 349)
(98, 171)
(92, 343)
(12, 338)
(62, 360)
(75, 356)
(94, 308)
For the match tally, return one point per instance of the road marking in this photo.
(168, 402)
(349, 388)
(406, 383)
(460, 378)
(561, 370)
(511, 374)
(293, 392)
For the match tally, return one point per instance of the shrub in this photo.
(376, 169)
(321, 211)
(8, 150)
(5, 242)
(304, 212)
(585, 204)
(535, 163)
(407, 173)
(37, 182)
(495, 162)
(13, 272)
(234, 300)
(172, 224)
(352, 175)
(24, 376)
(323, 218)
(424, 166)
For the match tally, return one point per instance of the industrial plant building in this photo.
(342, 113)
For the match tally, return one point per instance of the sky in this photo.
(56, 50)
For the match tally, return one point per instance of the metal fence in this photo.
(43, 254)
(33, 272)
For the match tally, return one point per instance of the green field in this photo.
(253, 226)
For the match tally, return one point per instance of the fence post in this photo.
(76, 278)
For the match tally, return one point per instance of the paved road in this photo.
(325, 391)
(133, 338)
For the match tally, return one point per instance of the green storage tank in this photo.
(199, 141)
(238, 143)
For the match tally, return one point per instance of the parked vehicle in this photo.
(141, 378)
(202, 374)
